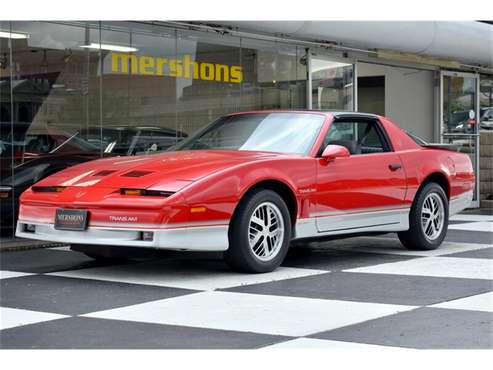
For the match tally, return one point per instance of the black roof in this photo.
(335, 113)
(352, 114)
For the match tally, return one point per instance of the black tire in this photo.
(415, 238)
(239, 256)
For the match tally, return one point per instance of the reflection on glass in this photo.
(459, 105)
(6, 139)
(332, 85)
(486, 103)
(460, 121)
(54, 87)
(274, 75)
(209, 78)
(139, 78)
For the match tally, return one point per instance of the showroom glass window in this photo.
(208, 78)
(486, 135)
(50, 94)
(274, 75)
(6, 126)
(486, 103)
(332, 84)
(139, 82)
(55, 83)
(223, 74)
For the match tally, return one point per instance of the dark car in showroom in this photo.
(28, 156)
(132, 140)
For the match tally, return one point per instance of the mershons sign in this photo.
(175, 67)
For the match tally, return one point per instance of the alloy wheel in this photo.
(432, 216)
(266, 231)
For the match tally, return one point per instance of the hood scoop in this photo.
(136, 173)
(104, 173)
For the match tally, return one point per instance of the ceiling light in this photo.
(13, 35)
(94, 45)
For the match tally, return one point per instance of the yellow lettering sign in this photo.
(173, 67)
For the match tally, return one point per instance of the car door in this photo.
(362, 192)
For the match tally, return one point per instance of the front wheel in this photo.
(259, 233)
(428, 219)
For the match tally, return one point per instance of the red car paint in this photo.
(216, 181)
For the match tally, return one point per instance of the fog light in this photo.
(30, 228)
(147, 236)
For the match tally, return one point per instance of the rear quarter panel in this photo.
(419, 163)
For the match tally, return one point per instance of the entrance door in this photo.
(460, 116)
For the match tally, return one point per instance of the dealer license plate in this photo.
(70, 219)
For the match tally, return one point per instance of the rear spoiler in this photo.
(451, 147)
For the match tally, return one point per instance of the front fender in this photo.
(221, 192)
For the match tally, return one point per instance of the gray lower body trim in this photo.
(200, 238)
(386, 220)
(460, 202)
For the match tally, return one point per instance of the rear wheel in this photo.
(259, 233)
(428, 219)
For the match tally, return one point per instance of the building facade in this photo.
(72, 88)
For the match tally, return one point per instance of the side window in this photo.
(359, 137)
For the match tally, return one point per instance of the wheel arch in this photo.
(279, 187)
(438, 178)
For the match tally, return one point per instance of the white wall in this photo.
(409, 99)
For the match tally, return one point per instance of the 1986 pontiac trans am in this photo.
(249, 183)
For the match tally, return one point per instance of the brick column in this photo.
(486, 168)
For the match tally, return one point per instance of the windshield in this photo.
(272, 132)
(74, 142)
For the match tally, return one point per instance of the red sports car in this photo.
(249, 183)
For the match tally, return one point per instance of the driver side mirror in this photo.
(332, 152)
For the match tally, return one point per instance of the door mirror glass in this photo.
(332, 152)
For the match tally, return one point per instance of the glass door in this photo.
(459, 116)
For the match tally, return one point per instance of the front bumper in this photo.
(183, 237)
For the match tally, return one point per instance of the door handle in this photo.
(394, 166)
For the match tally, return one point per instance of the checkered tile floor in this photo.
(353, 293)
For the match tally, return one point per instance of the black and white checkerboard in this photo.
(353, 293)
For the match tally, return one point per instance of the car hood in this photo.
(167, 171)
